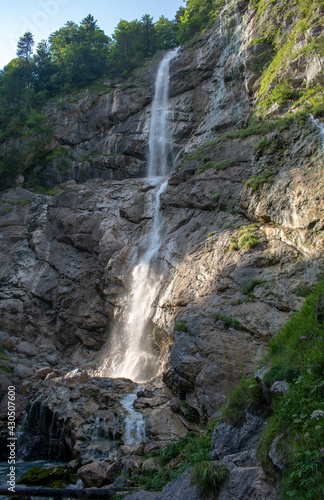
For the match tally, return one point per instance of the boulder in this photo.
(276, 453)
(150, 464)
(24, 372)
(4, 383)
(94, 474)
(27, 348)
(227, 440)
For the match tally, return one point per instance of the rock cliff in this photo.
(243, 236)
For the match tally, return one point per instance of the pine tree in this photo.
(25, 46)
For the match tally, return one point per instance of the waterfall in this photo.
(320, 126)
(130, 348)
(161, 159)
(134, 421)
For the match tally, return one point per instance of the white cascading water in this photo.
(320, 126)
(160, 139)
(134, 421)
(130, 351)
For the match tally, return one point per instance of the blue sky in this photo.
(42, 17)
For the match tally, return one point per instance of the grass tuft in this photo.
(209, 477)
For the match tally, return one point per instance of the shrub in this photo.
(302, 291)
(181, 327)
(258, 180)
(229, 322)
(248, 240)
(218, 165)
(233, 247)
(250, 286)
(209, 477)
(247, 394)
(216, 195)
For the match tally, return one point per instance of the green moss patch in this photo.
(53, 477)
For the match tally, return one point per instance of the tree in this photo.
(195, 17)
(44, 68)
(127, 49)
(25, 46)
(165, 32)
(148, 35)
(89, 23)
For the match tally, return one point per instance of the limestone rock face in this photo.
(243, 233)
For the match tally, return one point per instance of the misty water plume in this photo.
(130, 350)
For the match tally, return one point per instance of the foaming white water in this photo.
(134, 421)
(131, 356)
(160, 139)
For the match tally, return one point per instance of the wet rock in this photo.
(77, 376)
(74, 464)
(130, 450)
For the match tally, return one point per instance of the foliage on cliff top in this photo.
(294, 30)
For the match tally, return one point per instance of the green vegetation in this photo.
(258, 180)
(297, 356)
(174, 459)
(181, 326)
(250, 286)
(234, 247)
(52, 477)
(276, 85)
(4, 362)
(229, 322)
(247, 237)
(17, 202)
(198, 15)
(216, 195)
(209, 477)
(247, 395)
(303, 291)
